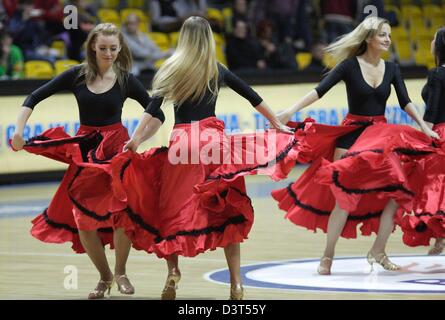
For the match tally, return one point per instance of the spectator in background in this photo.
(28, 34)
(277, 55)
(87, 21)
(302, 33)
(242, 50)
(51, 13)
(317, 65)
(281, 13)
(168, 15)
(2, 14)
(240, 10)
(10, 6)
(338, 17)
(144, 51)
(11, 58)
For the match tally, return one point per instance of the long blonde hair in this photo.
(193, 68)
(354, 43)
(121, 66)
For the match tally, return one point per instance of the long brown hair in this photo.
(123, 62)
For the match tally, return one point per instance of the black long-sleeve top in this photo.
(433, 93)
(99, 109)
(362, 98)
(194, 111)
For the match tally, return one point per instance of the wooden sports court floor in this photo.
(30, 269)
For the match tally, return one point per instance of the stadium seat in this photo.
(161, 39)
(403, 50)
(37, 69)
(405, 2)
(219, 39)
(220, 55)
(303, 59)
(424, 58)
(158, 63)
(174, 39)
(410, 12)
(110, 4)
(60, 46)
(63, 65)
(109, 15)
(431, 10)
(399, 33)
(215, 14)
(328, 61)
(139, 4)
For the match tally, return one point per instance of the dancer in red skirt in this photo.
(191, 197)
(368, 80)
(101, 85)
(428, 218)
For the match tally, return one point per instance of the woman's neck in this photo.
(105, 71)
(372, 57)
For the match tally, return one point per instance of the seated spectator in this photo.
(3, 14)
(277, 55)
(168, 15)
(87, 21)
(10, 6)
(11, 58)
(317, 65)
(339, 17)
(281, 13)
(240, 11)
(145, 52)
(243, 51)
(302, 33)
(50, 12)
(29, 35)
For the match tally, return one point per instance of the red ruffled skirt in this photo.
(426, 220)
(84, 199)
(191, 197)
(374, 170)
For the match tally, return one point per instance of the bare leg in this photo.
(172, 264)
(233, 257)
(336, 223)
(437, 248)
(386, 227)
(122, 246)
(377, 253)
(173, 277)
(95, 250)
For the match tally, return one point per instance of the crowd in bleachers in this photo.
(249, 34)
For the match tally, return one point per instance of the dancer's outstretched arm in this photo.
(412, 111)
(142, 131)
(308, 99)
(17, 139)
